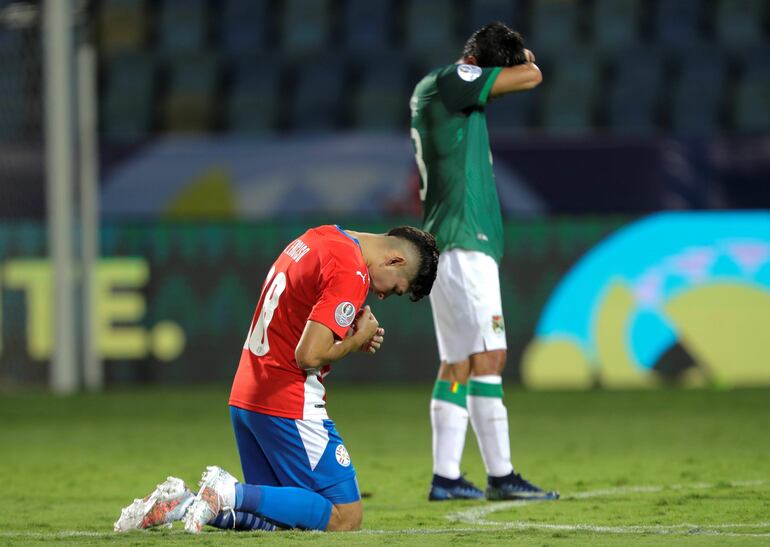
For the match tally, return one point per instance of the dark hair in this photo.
(495, 44)
(425, 244)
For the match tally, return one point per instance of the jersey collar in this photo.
(348, 235)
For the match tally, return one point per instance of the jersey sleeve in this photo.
(342, 294)
(466, 86)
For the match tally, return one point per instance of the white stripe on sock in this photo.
(488, 379)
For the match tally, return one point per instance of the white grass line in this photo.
(661, 530)
(56, 535)
(645, 489)
(676, 529)
(502, 526)
(638, 529)
(477, 515)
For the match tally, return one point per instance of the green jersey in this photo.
(451, 146)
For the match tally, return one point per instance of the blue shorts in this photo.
(308, 454)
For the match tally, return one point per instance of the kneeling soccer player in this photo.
(297, 471)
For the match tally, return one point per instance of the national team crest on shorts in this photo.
(498, 324)
(343, 458)
(344, 314)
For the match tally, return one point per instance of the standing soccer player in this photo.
(461, 208)
(310, 314)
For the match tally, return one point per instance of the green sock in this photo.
(451, 392)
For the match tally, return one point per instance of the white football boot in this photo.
(166, 504)
(216, 494)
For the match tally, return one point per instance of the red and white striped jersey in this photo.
(320, 276)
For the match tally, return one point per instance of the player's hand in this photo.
(529, 56)
(365, 325)
(375, 342)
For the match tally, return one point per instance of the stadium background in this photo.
(634, 183)
(227, 127)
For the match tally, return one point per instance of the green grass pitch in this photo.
(634, 468)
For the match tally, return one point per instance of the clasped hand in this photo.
(366, 327)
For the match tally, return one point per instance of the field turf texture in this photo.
(634, 468)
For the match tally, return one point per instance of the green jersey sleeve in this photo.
(465, 86)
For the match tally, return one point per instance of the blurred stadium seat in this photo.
(697, 92)
(515, 113)
(128, 97)
(615, 23)
(430, 37)
(189, 102)
(183, 25)
(244, 27)
(382, 99)
(752, 96)
(122, 26)
(661, 38)
(569, 92)
(680, 23)
(486, 11)
(319, 92)
(368, 26)
(305, 28)
(741, 23)
(253, 105)
(554, 26)
(12, 86)
(634, 93)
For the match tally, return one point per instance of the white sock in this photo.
(490, 422)
(450, 423)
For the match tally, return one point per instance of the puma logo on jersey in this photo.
(363, 276)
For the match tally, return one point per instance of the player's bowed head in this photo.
(402, 261)
(495, 45)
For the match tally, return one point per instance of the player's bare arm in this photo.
(317, 345)
(517, 78)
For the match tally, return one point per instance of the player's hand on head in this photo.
(529, 56)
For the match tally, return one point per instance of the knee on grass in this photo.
(346, 517)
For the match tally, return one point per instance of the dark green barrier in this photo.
(176, 299)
